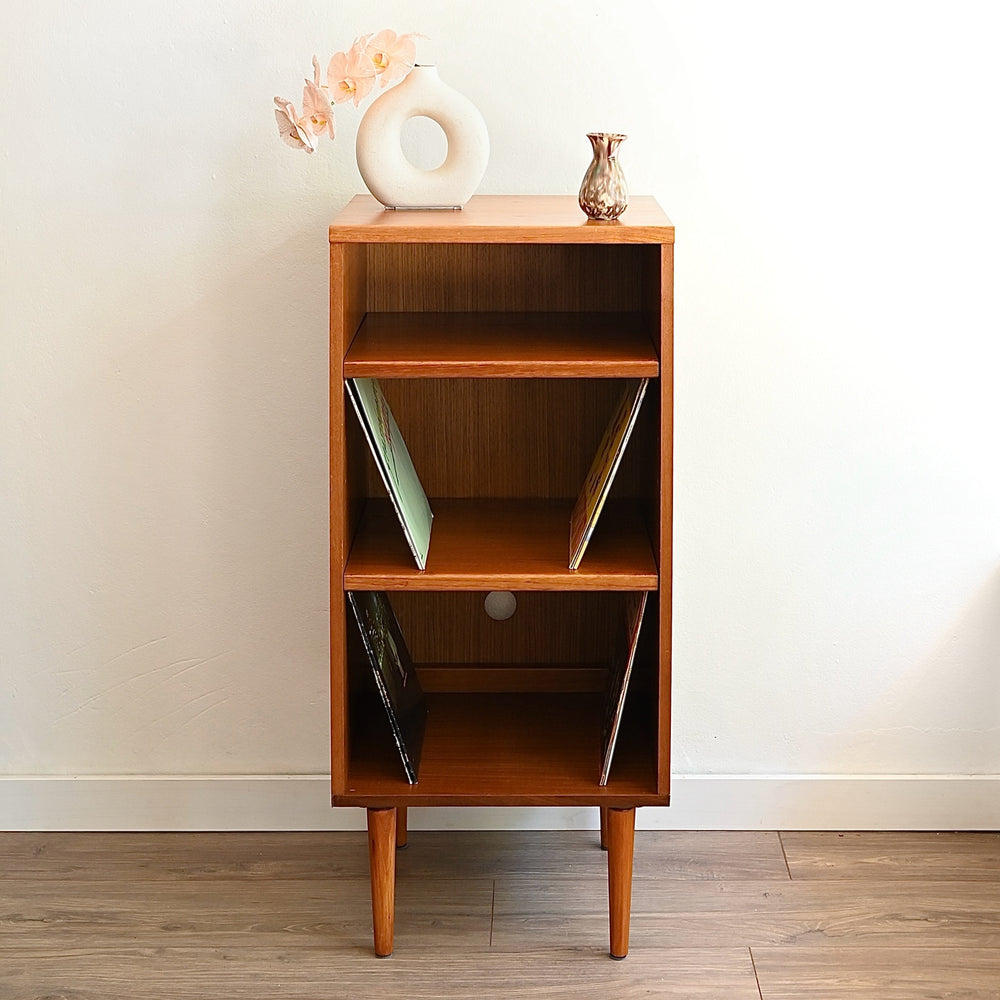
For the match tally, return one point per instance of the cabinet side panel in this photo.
(666, 520)
(348, 279)
(506, 278)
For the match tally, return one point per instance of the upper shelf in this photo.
(498, 345)
(501, 219)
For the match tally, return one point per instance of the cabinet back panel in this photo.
(514, 437)
(554, 628)
(456, 277)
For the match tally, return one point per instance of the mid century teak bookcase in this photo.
(502, 335)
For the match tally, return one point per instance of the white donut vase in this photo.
(386, 171)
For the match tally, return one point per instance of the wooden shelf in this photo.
(502, 333)
(497, 345)
(502, 749)
(502, 219)
(479, 544)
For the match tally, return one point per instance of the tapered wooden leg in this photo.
(621, 840)
(401, 827)
(604, 828)
(382, 865)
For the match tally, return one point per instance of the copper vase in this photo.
(603, 194)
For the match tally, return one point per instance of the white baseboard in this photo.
(699, 802)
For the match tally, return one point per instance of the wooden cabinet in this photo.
(502, 335)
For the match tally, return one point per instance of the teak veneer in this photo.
(491, 544)
(502, 345)
(502, 336)
(530, 218)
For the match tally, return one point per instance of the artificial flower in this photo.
(317, 112)
(392, 55)
(291, 127)
(351, 75)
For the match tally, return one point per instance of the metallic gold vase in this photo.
(603, 194)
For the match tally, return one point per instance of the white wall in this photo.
(832, 173)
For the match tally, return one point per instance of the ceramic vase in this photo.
(603, 193)
(386, 171)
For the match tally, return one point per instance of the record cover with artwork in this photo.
(394, 464)
(398, 686)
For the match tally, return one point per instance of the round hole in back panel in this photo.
(500, 605)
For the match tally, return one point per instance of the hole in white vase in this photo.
(424, 142)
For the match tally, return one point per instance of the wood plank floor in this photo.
(285, 916)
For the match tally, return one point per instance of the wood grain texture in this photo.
(203, 857)
(563, 627)
(287, 916)
(708, 855)
(348, 283)
(502, 545)
(884, 973)
(492, 309)
(226, 913)
(663, 516)
(502, 345)
(501, 749)
(467, 854)
(890, 855)
(382, 864)
(659, 855)
(512, 437)
(502, 219)
(788, 914)
(519, 277)
(619, 826)
(454, 969)
(513, 325)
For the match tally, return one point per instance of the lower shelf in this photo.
(503, 749)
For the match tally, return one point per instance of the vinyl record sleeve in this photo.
(621, 672)
(597, 485)
(398, 686)
(394, 464)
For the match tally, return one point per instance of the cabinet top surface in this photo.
(500, 219)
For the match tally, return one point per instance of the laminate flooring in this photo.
(286, 916)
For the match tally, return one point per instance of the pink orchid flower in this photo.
(291, 127)
(350, 75)
(317, 113)
(392, 55)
